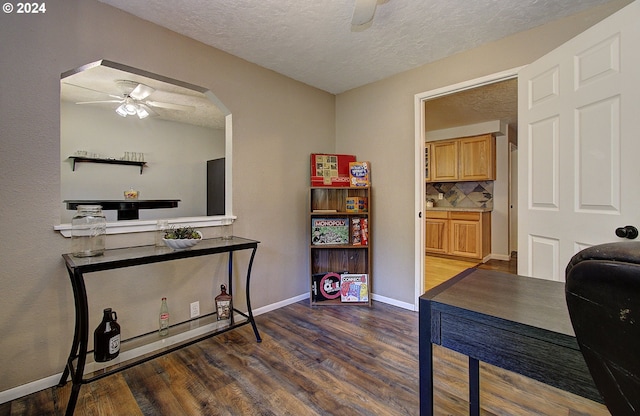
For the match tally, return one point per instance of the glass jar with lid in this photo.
(88, 231)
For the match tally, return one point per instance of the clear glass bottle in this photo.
(164, 318)
(106, 337)
(161, 227)
(88, 231)
(223, 304)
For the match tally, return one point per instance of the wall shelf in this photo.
(84, 159)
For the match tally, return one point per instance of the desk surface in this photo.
(517, 323)
(132, 256)
(537, 303)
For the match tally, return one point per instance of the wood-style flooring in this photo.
(323, 360)
(440, 269)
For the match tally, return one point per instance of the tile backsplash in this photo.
(461, 194)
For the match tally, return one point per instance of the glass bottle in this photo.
(161, 228)
(164, 318)
(106, 337)
(223, 304)
(88, 230)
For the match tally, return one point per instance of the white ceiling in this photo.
(313, 41)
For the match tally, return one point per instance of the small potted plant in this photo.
(180, 238)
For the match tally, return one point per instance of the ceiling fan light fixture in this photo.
(142, 113)
(121, 110)
(130, 107)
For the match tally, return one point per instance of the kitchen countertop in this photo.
(459, 209)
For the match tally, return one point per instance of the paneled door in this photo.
(579, 145)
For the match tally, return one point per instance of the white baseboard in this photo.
(503, 257)
(394, 302)
(26, 389)
(47, 382)
(280, 304)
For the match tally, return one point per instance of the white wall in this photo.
(500, 213)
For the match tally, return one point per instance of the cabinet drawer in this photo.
(437, 214)
(465, 216)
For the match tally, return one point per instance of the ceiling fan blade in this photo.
(170, 106)
(141, 91)
(100, 102)
(148, 109)
(92, 90)
(363, 11)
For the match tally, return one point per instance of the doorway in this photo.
(471, 117)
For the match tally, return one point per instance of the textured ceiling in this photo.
(497, 101)
(313, 41)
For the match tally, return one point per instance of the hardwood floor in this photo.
(440, 269)
(342, 360)
(326, 360)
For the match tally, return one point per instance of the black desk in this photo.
(134, 256)
(517, 323)
(128, 209)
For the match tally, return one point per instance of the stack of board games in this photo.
(359, 231)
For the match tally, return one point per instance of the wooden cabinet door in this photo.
(465, 238)
(477, 158)
(437, 235)
(444, 161)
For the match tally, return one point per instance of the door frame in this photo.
(420, 186)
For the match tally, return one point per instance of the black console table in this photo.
(128, 209)
(134, 256)
(517, 323)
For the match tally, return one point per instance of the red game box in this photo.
(330, 170)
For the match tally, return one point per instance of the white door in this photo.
(513, 198)
(579, 145)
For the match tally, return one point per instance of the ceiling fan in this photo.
(363, 12)
(133, 100)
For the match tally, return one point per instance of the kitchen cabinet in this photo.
(444, 161)
(437, 232)
(458, 233)
(466, 159)
(477, 161)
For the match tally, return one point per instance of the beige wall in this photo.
(376, 122)
(277, 123)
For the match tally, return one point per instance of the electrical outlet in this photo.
(195, 309)
(440, 195)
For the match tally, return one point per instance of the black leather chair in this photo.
(603, 297)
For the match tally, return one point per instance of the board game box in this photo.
(359, 174)
(329, 231)
(353, 288)
(325, 286)
(330, 170)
